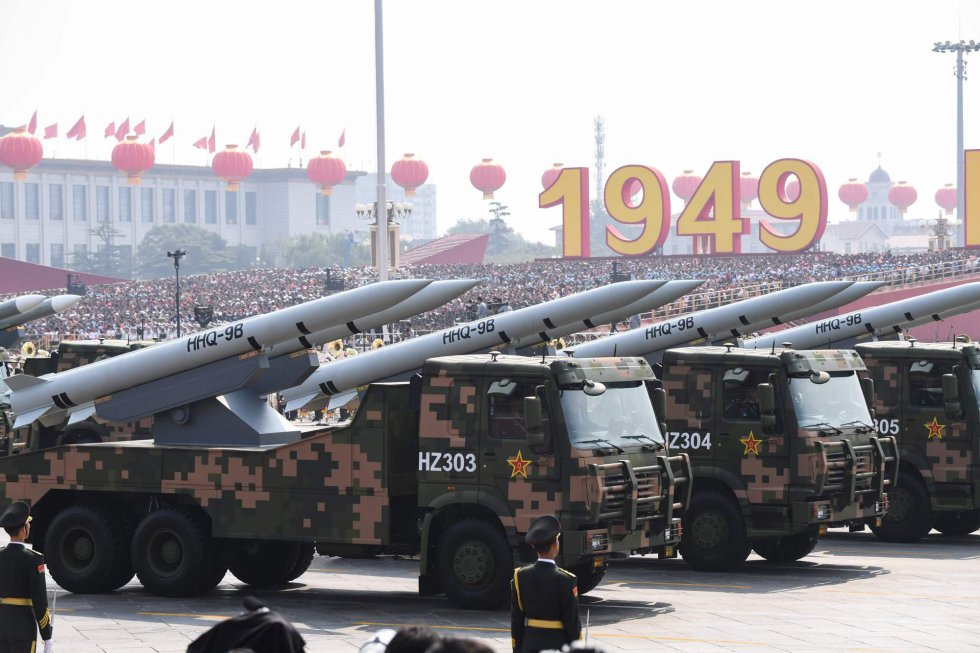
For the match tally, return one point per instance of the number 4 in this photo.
(719, 191)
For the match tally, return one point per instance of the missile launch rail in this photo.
(452, 466)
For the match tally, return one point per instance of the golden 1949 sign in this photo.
(713, 213)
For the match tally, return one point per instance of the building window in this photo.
(7, 200)
(80, 203)
(56, 211)
(323, 209)
(169, 205)
(80, 252)
(146, 204)
(57, 255)
(32, 201)
(190, 206)
(33, 252)
(8, 250)
(125, 204)
(231, 207)
(211, 206)
(251, 208)
(102, 203)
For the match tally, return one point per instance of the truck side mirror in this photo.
(533, 422)
(659, 396)
(951, 396)
(767, 407)
(868, 387)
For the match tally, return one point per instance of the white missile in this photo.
(707, 325)
(667, 293)
(432, 296)
(876, 321)
(46, 308)
(853, 293)
(33, 398)
(18, 305)
(349, 373)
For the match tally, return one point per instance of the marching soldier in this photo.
(543, 596)
(23, 595)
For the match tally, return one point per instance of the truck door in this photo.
(450, 423)
(945, 441)
(510, 470)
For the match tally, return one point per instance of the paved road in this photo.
(853, 593)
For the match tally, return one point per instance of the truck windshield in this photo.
(838, 402)
(620, 417)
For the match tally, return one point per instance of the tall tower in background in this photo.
(600, 154)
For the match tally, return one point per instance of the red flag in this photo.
(110, 129)
(295, 138)
(140, 128)
(167, 134)
(343, 138)
(211, 144)
(51, 131)
(78, 129)
(123, 130)
(302, 141)
(32, 125)
(253, 140)
(201, 143)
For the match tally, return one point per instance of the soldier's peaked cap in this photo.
(18, 514)
(543, 530)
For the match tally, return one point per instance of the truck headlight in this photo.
(820, 511)
(599, 542)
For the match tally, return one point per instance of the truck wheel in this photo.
(714, 534)
(909, 517)
(588, 576)
(475, 564)
(307, 550)
(788, 548)
(81, 434)
(265, 563)
(87, 550)
(173, 552)
(963, 522)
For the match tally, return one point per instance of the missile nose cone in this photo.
(25, 303)
(62, 302)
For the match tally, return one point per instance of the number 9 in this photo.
(653, 211)
(810, 208)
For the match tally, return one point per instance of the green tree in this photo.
(108, 258)
(206, 251)
(309, 250)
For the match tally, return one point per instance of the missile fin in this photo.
(21, 381)
(299, 402)
(342, 399)
(30, 417)
(81, 414)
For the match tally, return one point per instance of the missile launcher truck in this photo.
(927, 396)
(452, 466)
(782, 445)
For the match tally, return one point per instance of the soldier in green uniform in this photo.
(23, 596)
(543, 596)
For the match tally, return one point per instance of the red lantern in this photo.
(133, 158)
(748, 188)
(409, 173)
(685, 185)
(20, 151)
(903, 196)
(551, 175)
(488, 177)
(853, 193)
(327, 170)
(232, 165)
(946, 198)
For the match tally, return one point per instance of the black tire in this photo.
(789, 548)
(87, 550)
(219, 567)
(909, 517)
(173, 552)
(588, 576)
(963, 522)
(475, 565)
(81, 434)
(307, 551)
(265, 563)
(714, 533)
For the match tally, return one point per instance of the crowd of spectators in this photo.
(129, 308)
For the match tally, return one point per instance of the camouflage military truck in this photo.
(927, 396)
(453, 466)
(70, 353)
(782, 445)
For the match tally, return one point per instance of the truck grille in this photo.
(616, 489)
(837, 470)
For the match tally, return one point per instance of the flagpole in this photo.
(381, 208)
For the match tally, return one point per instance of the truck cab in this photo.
(782, 444)
(927, 397)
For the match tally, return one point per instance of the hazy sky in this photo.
(680, 84)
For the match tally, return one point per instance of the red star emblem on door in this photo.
(518, 465)
(935, 429)
(751, 444)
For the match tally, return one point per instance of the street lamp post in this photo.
(176, 255)
(960, 73)
(395, 213)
